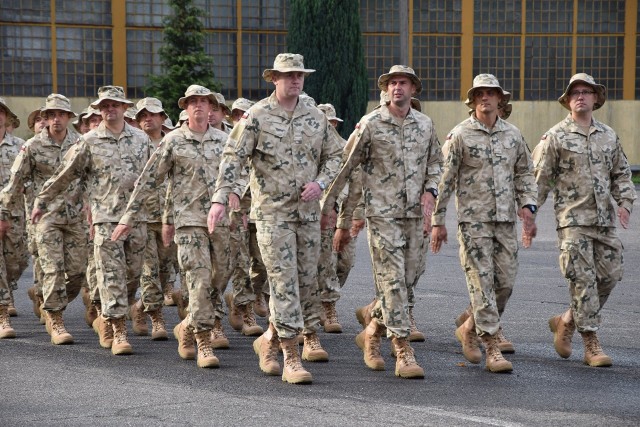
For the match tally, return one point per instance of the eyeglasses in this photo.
(578, 93)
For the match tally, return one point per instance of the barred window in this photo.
(496, 17)
(380, 52)
(147, 13)
(547, 67)
(25, 11)
(222, 48)
(379, 16)
(25, 61)
(549, 16)
(437, 16)
(94, 12)
(499, 56)
(142, 59)
(258, 53)
(265, 14)
(602, 57)
(601, 16)
(436, 61)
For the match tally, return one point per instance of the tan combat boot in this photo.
(168, 295)
(369, 342)
(11, 308)
(104, 329)
(6, 331)
(249, 326)
(158, 326)
(206, 358)
(91, 312)
(293, 371)
(183, 306)
(504, 344)
(261, 307)
(562, 334)
(139, 319)
(406, 365)
(55, 327)
(184, 335)
(495, 361)
(120, 344)
(266, 347)
(414, 335)
(312, 350)
(37, 300)
(462, 317)
(218, 338)
(468, 337)
(593, 353)
(331, 324)
(363, 314)
(235, 313)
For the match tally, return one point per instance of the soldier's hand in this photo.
(4, 227)
(341, 239)
(356, 226)
(36, 214)
(529, 227)
(624, 215)
(438, 236)
(426, 227)
(120, 232)
(216, 214)
(168, 231)
(428, 202)
(234, 201)
(311, 191)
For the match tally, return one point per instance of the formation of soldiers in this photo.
(269, 197)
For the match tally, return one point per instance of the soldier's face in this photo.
(58, 121)
(288, 85)
(400, 89)
(487, 99)
(582, 98)
(39, 123)
(112, 111)
(94, 121)
(3, 117)
(236, 115)
(216, 115)
(198, 108)
(150, 122)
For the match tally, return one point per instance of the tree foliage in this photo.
(182, 57)
(327, 34)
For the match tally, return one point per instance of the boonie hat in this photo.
(184, 116)
(222, 103)
(486, 81)
(91, 112)
(383, 80)
(285, 63)
(242, 104)
(330, 111)
(131, 113)
(152, 105)
(31, 120)
(196, 90)
(55, 101)
(4, 106)
(601, 90)
(168, 125)
(111, 93)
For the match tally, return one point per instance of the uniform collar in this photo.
(499, 126)
(386, 116)
(275, 109)
(573, 127)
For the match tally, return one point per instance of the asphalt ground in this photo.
(82, 384)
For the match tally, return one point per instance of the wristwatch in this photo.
(321, 184)
(532, 208)
(433, 191)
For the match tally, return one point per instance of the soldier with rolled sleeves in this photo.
(580, 160)
(60, 233)
(488, 167)
(292, 157)
(190, 156)
(108, 159)
(398, 150)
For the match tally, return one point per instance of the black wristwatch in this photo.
(532, 208)
(433, 191)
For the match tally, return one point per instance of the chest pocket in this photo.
(474, 154)
(268, 141)
(104, 155)
(602, 153)
(573, 152)
(47, 160)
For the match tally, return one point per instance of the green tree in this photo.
(182, 57)
(327, 34)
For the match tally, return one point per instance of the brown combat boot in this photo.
(266, 347)
(414, 335)
(468, 337)
(331, 324)
(158, 326)
(235, 312)
(11, 308)
(363, 314)
(312, 350)
(249, 326)
(593, 353)
(293, 371)
(462, 317)
(406, 365)
(139, 319)
(181, 304)
(6, 331)
(562, 334)
(261, 307)
(55, 327)
(184, 335)
(206, 358)
(91, 312)
(120, 344)
(36, 299)
(168, 295)
(370, 340)
(103, 328)
(495, 361)
(218, 338)
(504, 344)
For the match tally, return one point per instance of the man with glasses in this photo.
(582, 162)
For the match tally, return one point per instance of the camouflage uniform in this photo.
(284, 153)
(192, 167)
(61, 233)
(400, 160)
(585, 170)
(109, 166)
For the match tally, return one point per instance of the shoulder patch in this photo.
(449, 136)
(245, 115)
(23, 148)
(358, 125)
(543, 137)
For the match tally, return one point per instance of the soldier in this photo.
(581, 161)
(60, 233)
(190, 156)
(488, 166)
(292, 156)
(13, 259)
(36, 121)
(130, 117)
(218, 114)
(109, 159)
(238, 108)
(401, 159)
(93, 118)
(80, 125)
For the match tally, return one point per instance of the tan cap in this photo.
(601, 90)
(4, 106)
(196, 90)
(222, 103)
(285, 63)
(184, 116)
(242, 104)
(487, 81)
(383, 80)
(56, 101)
(31, 120)
(91, 112)
(152, 105)
(111, 93)
(168, 125)
(131, 113)
(330, 111)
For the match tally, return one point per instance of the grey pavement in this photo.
(83, 384)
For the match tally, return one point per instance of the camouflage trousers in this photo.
(290, 252)
(204, 259)
(157, 266)
(13, 258)
(591, 260)
(240, 261)
(397, 248)
(489, 259)
(92, 280)
(257, 270)
(118, 266)
(32, 248)
(62, 253)
(328, 282)
(345, 262)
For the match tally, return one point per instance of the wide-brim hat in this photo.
(486, 81)
(286, 63)
(91, 112)
(184, 116)
(196, 90)
(168, 125)
(330, 111)
(222, 103)
(416, 104)
(131, 113)
(111, 93)
(506, 111)
(242, 104)
(4, 106)
(31, 120)
(55, 101)
(152, 105)
(601, 90)
(383, 80)
(15, 121)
